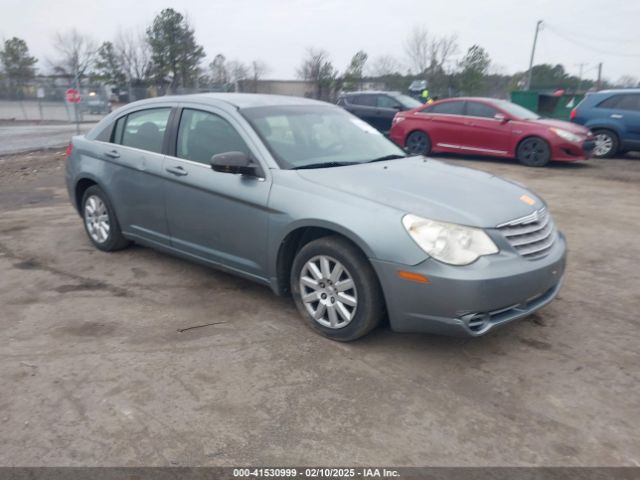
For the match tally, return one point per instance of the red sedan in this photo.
(486, 126)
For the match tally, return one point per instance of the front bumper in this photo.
(569, 151)
(474, 299)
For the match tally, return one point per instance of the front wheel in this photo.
(534, 152)
(336, 290)
(418, 143)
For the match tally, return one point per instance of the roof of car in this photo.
(238, 100)
(370, 92)
(482, 99)
(619, 90)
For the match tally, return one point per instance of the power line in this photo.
(574, 34)
(590, 47)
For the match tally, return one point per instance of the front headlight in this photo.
(448, 242)
(564, 134)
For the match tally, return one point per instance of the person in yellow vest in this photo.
(424, 96)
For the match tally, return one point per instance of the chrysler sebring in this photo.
(310, 200)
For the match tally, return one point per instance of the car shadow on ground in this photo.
(577, 165)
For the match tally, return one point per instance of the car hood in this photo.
(571, 127)
(431, 189)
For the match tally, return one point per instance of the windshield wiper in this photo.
(324, 165)
(387, 157)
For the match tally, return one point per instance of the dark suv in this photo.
(377, 108)
(614, 118)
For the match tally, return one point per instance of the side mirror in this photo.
(398, 108)
(234, 162)
(501, 117)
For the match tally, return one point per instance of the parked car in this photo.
(487, 126)
(614, 118)
(307, 199)
(95, 104)
(377, 108)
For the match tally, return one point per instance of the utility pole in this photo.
(580, 77)
(533, 51)
(599, 82)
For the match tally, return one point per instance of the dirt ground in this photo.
(97, 368)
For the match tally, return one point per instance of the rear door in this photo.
(135, 172)
(482, 133)
(445, 124)
(627, 114)
(387, 109)
(363, 105)
(218, 217)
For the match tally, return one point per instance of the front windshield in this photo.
(317, 136)
(516, 111)
(407, 101)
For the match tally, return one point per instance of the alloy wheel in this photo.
(533, 151)
(96, 217)
(328, 292)
(417, 143)
(603, 144)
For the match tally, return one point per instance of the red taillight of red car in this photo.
(574, 112)
(68, 151)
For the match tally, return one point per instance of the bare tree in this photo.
(418, 50)
(383, 65)
(76, 54)
(627, 81)
(134, 55)
(441, 49)
(317, 68)
(237, 71)
(258, 69)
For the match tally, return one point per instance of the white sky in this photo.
(277, 31)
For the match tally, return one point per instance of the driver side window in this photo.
(385, 101)
(202, 135)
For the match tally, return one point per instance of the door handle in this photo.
(178, 171)
(616, 115)
(112, 154)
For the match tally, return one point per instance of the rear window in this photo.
(450, 108)
(610, 102)
(366, 100)
(476, 109)
(624, 101)
(144, 129)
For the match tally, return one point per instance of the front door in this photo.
(482, 132)
(218, 217)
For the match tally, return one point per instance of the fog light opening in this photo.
(477, 321)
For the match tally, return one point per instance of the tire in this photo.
(100, 221)
(418, 143)
(533, 152)
(356, 310)
(607, 143)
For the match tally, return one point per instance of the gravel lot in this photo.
(97, 369)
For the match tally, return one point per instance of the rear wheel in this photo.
(100, 221)
(534, 152)
(606, 143)
(418, 143)
(336, 289)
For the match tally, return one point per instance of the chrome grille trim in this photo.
(531, 236)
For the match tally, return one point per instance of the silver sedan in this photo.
(303, 197)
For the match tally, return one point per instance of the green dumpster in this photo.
(547, 103)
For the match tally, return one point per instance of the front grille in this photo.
(532, 236)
